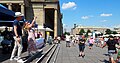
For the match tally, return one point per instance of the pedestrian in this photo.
(81, 45)
(6, 43)
(102, 41)
(91, 42)
(50, 40)
(118, 49)
(31, 37)
(67, 41)
(40, 34)
(97, 41)
(58, 38)
(111, 48)
(17, 29)
(73, 41)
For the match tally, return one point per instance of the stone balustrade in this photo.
(44, 0)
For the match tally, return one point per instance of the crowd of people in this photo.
(16, 37)
(14, 40)
(112, 43)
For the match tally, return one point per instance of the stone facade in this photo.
(41, 9)
(76, 30)
(117, 29)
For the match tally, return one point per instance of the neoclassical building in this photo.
(117, 29)
(76, 30)
(47, 11)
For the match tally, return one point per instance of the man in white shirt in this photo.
(67, 41)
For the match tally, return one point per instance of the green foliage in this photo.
(108, 31)
(114, 32)
(88, 31)
(81, 32)
(67, 33)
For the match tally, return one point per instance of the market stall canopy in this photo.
(106, 35)
(97, 32)
(6, 14)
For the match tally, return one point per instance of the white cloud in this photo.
(117, 26)
(64, 25)
(74, 8)
(105, 15)
(85, 17)
(104, 21)
(69, 5)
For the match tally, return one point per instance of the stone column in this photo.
(9, 6)
(39, 11)
(55, 22)
(43, 20)
(22, 7)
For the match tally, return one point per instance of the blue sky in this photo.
(105, 13)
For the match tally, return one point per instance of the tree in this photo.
(81, 32)
(88, 31)
(114, 32)
(66, 33)
(108, 31)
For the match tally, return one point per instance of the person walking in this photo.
(102, 41)
(67, 41)
(111, 48)
(91, 42)
(81, 45)
(118, 49)
(58, 38)
(17, 29)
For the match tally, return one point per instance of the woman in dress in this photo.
(31, 37)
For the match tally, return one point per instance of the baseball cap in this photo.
(17, 14)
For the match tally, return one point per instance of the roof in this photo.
(91, 27)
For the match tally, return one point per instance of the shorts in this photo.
(81, 48)
(90, 44)
(111, 53)
(118, 54)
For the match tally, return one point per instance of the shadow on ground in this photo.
(106, 54)
(4, 57)
(105, 61)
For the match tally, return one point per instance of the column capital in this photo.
(21, 4)
(55, 9)
(9, 3)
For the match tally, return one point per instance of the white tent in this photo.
(105, 35)
(48, 29)
(117, 35)
(97, 32)
(41, 28)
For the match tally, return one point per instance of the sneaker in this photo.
(39, 50)
(20, 61)
(11, 59)
(16, 58)
(79, 56)
(83, 56)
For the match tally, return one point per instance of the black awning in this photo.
(6, 14)
(8, 23)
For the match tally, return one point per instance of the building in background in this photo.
(47, 11)
(117, 29)
(77, 29)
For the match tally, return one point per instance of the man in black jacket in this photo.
(111, 48)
